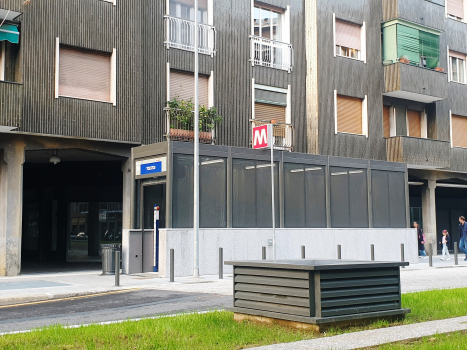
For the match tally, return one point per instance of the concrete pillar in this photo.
(429, 214)
(11, 206)
(128, 210)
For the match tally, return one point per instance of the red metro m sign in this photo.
(263, 136)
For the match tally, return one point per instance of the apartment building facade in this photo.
(92, 81)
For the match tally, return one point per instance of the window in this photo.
(458, 131)
(416, 123)
(185, 9)
(457, 66)
(455, 9)
(389, 121)
(10, 66)
(388, 199)
(86, 74)
(182, 86)
(349, 197)
(348, 39)
(268, 22)
(350, 115)
(408, 43)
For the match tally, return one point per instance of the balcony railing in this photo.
(271, 53)
(180, 34)
(179, 127)
(284, 134)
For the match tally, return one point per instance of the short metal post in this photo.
(372, 252)
(264, 253)
(402, 253)
(339, 251)
(303, 252)
(172, 265)
(430, 254)
(456, 254)
(221, 263)
(117, 268)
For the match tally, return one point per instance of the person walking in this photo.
(421, 240)
(463, 236)
(445, 241)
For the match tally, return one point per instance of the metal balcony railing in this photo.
(179, 127)
(284, 134)
(271, 53)
(180, 34)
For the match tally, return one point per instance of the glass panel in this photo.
(408, 43)
(182, 191)
(263, 194)
(276, 26)
(454, 69)
(295, 202)
(154, 195)
(397, 204)
(213, 192)
(266, 24)
(257, 22)
(380, 198)
(429, 48)
(461, 66)
(315, 186)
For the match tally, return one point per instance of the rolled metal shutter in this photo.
(455, 8)
(85, 74)
(182, 86)
(386, 127)
(348, 34)
(267, 112)
(415, 123)
(459, 131)
(349, 114)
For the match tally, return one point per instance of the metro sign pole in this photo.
(263, 137)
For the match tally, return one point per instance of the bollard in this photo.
(172, 265)
(264, 253)
(430, 254)
(339, 251)
(303, 252)
(117, 268)
(372, 252)
(456, 254)
(221, 263)
(402, 254)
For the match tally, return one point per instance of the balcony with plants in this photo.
(180, 121)
(411, 60)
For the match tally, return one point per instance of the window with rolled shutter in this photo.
(414, 122)
(182, 86)
(85, 74)
(268, 112)
(455, 8)
(348, 34)
(459, 131)
(349, 114)
(386, 122)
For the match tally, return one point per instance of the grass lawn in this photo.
(457, 340)
(217, 330)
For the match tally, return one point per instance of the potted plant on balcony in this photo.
(404, 59)
(181, 119)
(439, 69)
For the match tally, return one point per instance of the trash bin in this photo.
(108, 258)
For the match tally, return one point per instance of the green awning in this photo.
(9, 33)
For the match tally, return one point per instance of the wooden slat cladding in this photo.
(414, 122)
(11, 98)
(394, 149)
(459, 131)
(390, 9)
(392, 80)
(386, 123)
(267, 112)
(349, 114)
(85, 74)
(88, 24)
(182, 86)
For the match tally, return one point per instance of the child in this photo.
(445, 241)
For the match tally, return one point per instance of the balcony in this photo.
(180, 34)
(284, 134)
(271, 53)
(418, 152)
(11, 105)
(402, 80)
(179, 127)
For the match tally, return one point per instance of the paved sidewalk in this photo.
(48, 286)
(376, 337)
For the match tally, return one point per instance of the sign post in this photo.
(263, 137)
(156, 239)
(196, 154)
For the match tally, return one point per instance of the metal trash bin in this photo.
(108, 258)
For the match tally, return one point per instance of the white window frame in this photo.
(392, 121)
(2, 60)
(451, 70)
(423, 124)
(57, 66)
(450, 127)
(361, 53)
(113, 78)
(463, 20)
(114, 2)
(364, 117)
(285, 23)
